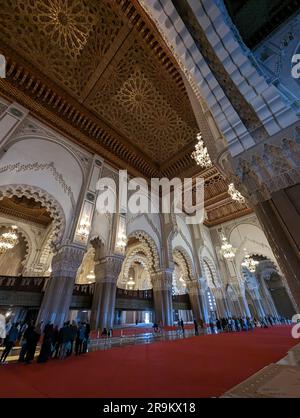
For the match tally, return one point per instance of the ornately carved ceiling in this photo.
(92, 52)
(99, 72)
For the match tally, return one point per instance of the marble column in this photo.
(221, 302)
(268, 300)
(283, 246)
(241, 301)
(58, 294)
(257, 302)
(162, 295)
(107, 271)
(195, 296)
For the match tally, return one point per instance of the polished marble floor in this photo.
(136, 339)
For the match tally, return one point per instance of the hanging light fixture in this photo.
(227, 250)
(130, 283)
(249, 263)
(91, 276)
(8, 240)
(235, 194)
(200, 155)
(122, 241)
(84, 228)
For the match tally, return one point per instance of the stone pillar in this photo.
(221, 302)
(58, 295)
(241, 301)
(162, 295)
(283, 247)
(195, 296)
(268, 300)
(257, 302)
(107, 271)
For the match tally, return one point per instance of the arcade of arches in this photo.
(128, 85)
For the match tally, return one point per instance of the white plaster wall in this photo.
(251, 237)
(183, 239)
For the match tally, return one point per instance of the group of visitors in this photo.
(56, 343)
(244, 323)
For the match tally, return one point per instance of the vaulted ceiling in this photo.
(100, 73)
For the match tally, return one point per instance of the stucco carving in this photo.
(66, 261)
(46, 200)
(18, 167)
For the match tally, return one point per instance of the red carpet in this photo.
(202, 366)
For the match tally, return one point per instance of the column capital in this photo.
(162, 280)
(193, 287)
(108, 268)
(67, 260)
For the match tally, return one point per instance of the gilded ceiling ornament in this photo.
(67, 23)
(137, 94)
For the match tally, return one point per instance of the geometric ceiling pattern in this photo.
(100, 73)
(92, 52)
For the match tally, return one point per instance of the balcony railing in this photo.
(84, 289)
(181, 298)
(25, 284)
(135, 294)
(38, 284)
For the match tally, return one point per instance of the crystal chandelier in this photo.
(249, 262)
(130, 283)
(122, 241)
(200, 155)
(235, 194)
(8, 239)
(84, 228)
(227, 250)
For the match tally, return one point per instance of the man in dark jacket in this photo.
(32, 342)
(47, 344)
(10, 342)
(24, 346)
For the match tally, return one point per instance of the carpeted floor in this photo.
(202, 366)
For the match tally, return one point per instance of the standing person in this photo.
(196, 327)
(73, 335)
(24, 343)
(160, 327)
(212, 326)
(47, 344)
(201, 323)
(66, 340)
(182, 326)
(80, 338)
(87, 337)
(32, 342)
(11, 339)
(2, 329)
(23, 329)
(57, 341)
